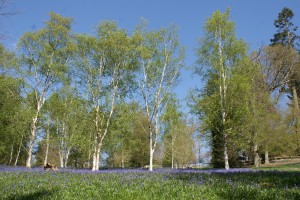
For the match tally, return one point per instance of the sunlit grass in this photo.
(138, 184)
(282, 167)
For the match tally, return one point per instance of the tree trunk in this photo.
(226, 153)
(11, 153)
(94, 168)
(296, 112)
(223, 97)
(19, 150)
(172, 153)
(151, 152)
(66, 157)
(256, 156)
(267, 157)
(31, 140)
(122, 161)
(96, 157)
(47, 144)
(88, 164)
(61, 160)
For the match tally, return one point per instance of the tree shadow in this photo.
(245, 185)
(41, 194)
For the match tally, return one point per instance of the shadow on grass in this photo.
(246, 185)
(244, 193)
(37, 195)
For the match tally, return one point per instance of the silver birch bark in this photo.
(44, 58)
(158, 78)
(19, 150)
(47, 143)
(223, 91)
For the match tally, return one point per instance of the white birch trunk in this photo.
(151, 152)
(47, 144)
(31, 140)
(94, 167)
(223, 91)
(19, 150)
(61, 160)
(172, 152)
(98, 144)
(66, 158)
(226, 153)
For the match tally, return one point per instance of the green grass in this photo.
(137, 184)
(282, 167)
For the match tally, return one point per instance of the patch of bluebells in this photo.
(142, 184)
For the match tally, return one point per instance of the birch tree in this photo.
(105, 65)
(44, 59)
(171, 119)
(161, 58)
(218, 53)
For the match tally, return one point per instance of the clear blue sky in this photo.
(254, 19)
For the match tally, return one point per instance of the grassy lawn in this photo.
(21, 183)
(284, 166)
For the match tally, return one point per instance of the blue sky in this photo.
(254, 20)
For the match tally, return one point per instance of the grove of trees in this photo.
(107, 99)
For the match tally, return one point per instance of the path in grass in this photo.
(21, 183)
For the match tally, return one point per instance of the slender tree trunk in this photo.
(172, 153)
(47, 143)
(226, 161)
(122, 161)
(61, 160)
(19, 150)
(11, 153)
(98, 144)
(98, 153)
(96, 141)
(66, 157)
(89, 155)
(151, 152)
(296, 113)
(223, 94)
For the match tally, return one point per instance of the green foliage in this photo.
(219, 28)
(46, 52)
(67, 114)
(7, 59)
(127, 144)
(13, 119)
(222, 104)
(178, 148)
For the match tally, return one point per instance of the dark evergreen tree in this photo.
(286, 30)
(286, 35)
